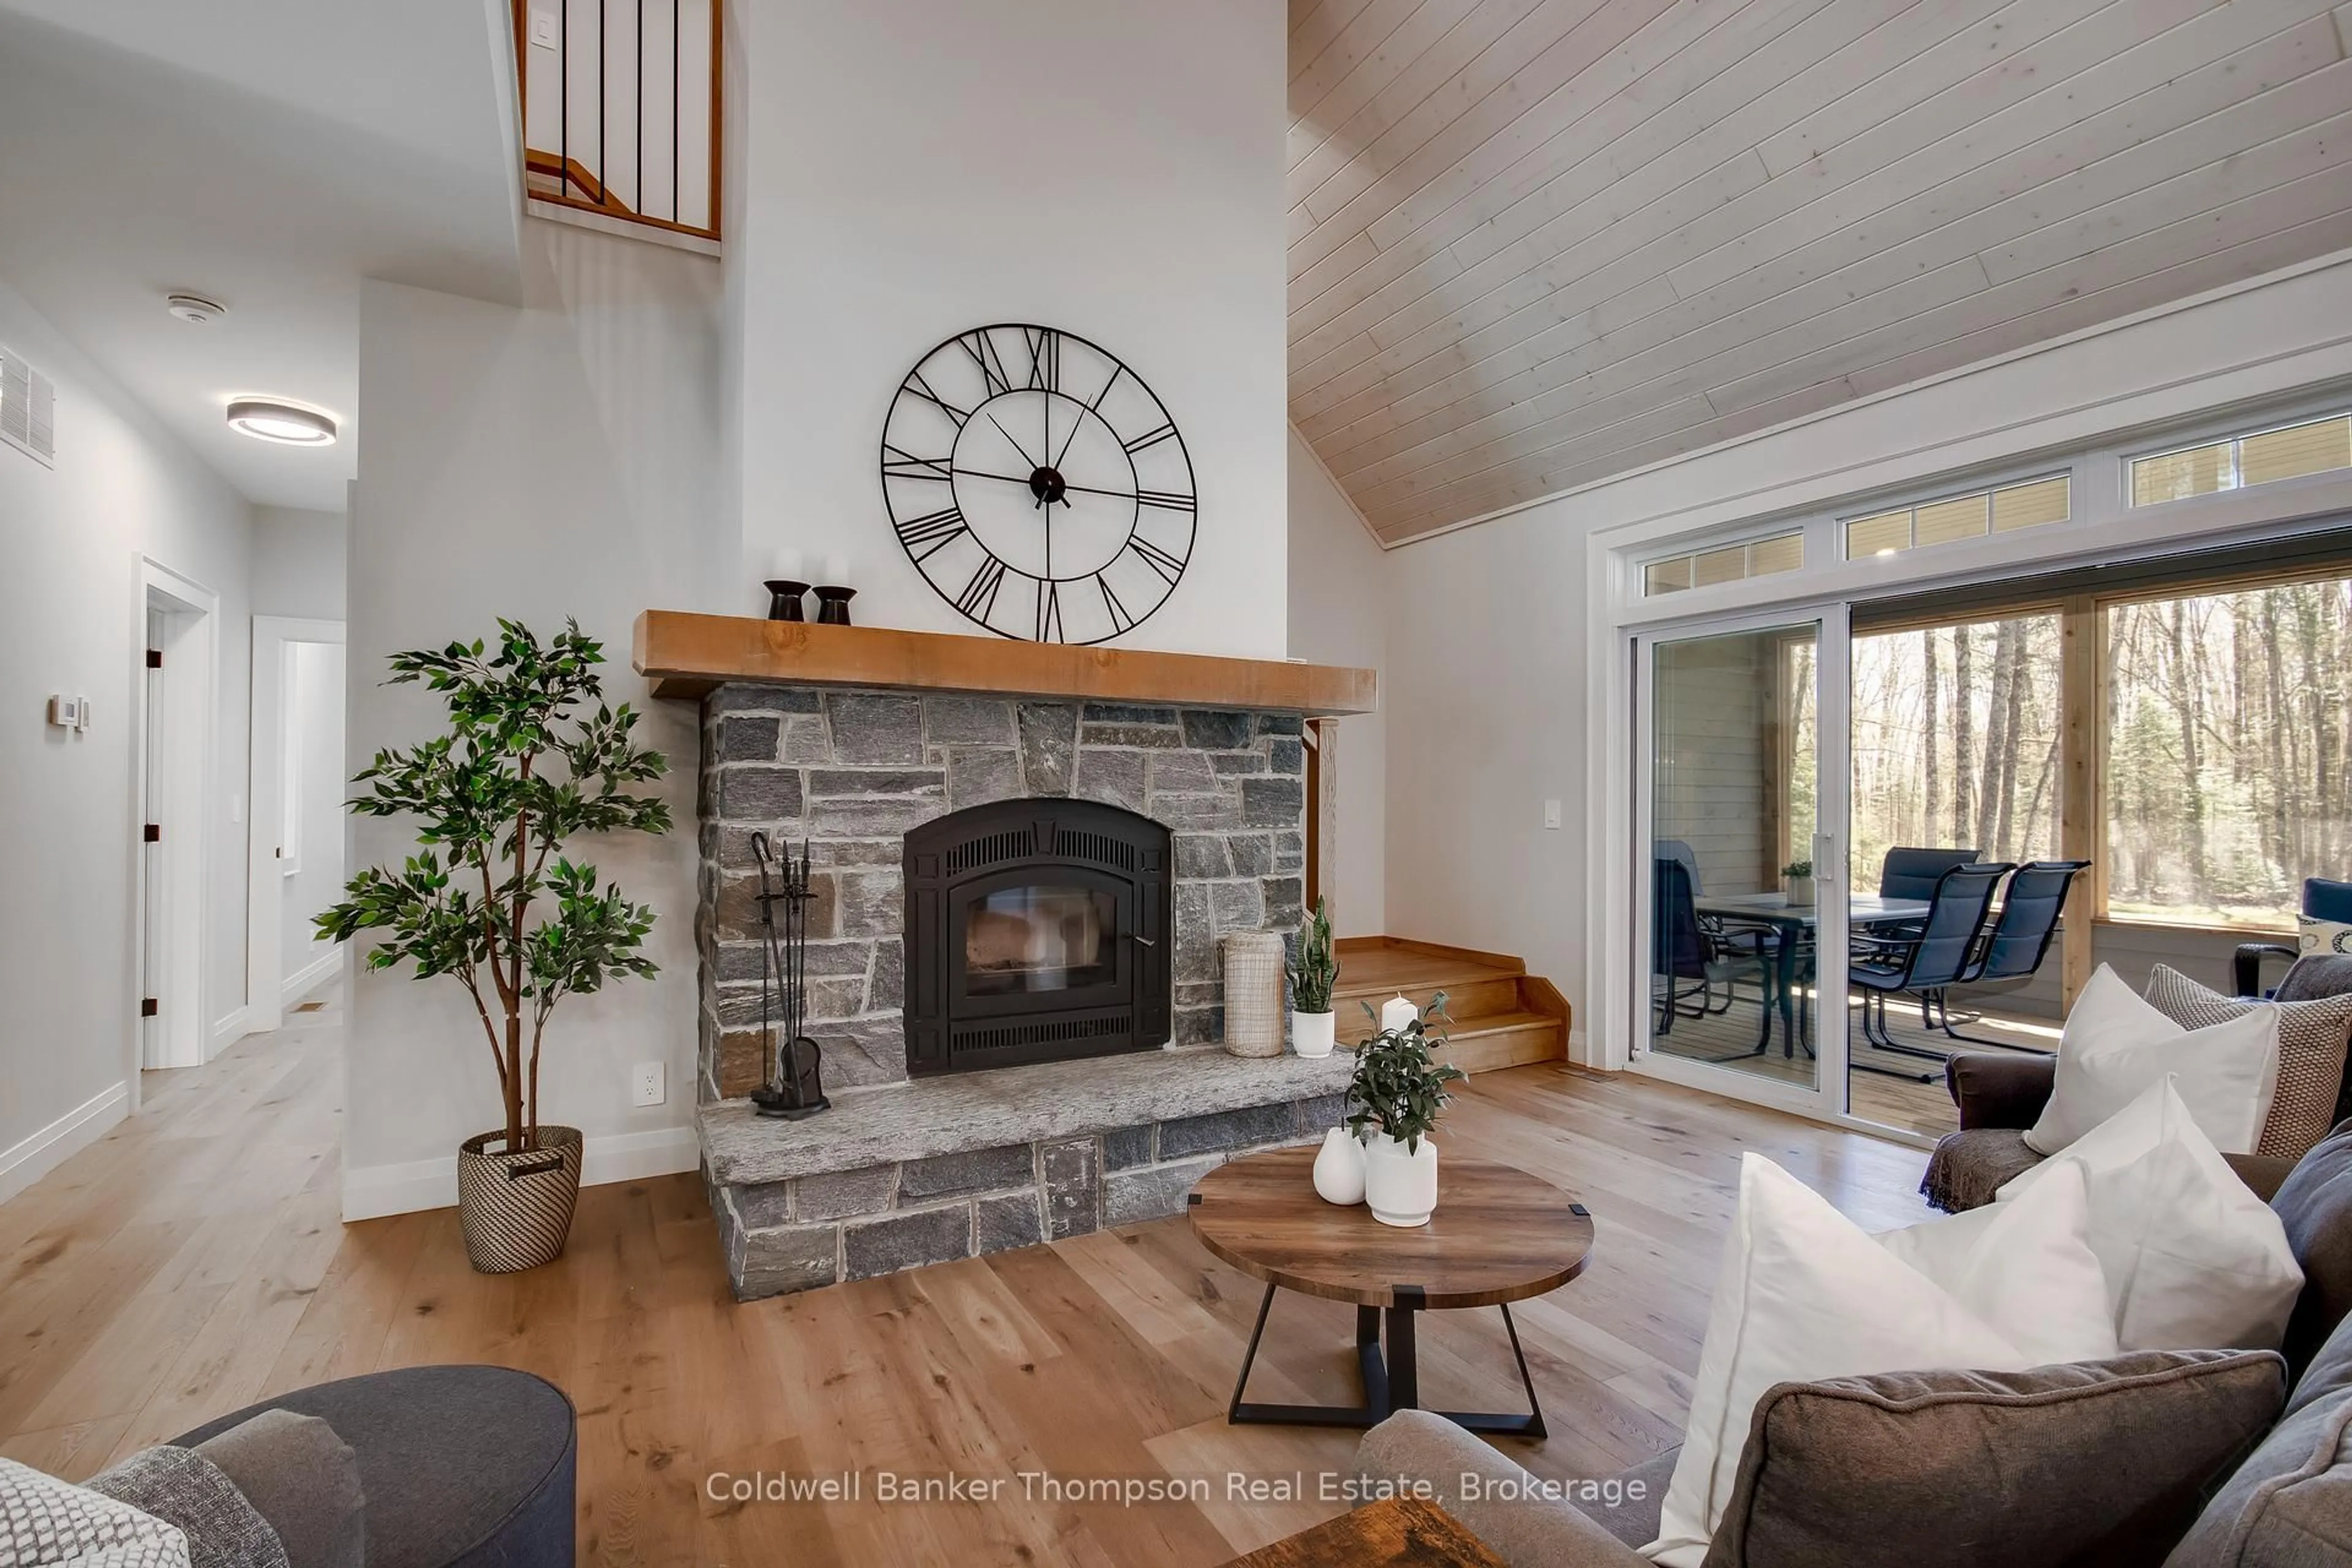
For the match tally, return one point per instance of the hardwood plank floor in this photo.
(193, 1262)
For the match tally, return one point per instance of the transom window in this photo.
(2257, 457)
(1725, 563)
(1975, 515)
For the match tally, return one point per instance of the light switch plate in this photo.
(543, 31)
(648, 1084)
(1551, 815)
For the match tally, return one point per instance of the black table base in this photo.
(1391, 1381)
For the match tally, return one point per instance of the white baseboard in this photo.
(372, 1192)
(228, 1031)
(35, 1157)
(311, 976)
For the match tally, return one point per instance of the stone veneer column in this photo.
(851, 771)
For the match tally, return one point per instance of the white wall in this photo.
(1338, 614)
(69, 623)
(312, 696)
(298, 562)
(1491, 676)
(558, 459)
(1109, 167)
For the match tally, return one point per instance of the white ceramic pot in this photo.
(1800, 892)
(1340, 1169)
(1312, 1035)
(1399, 1187)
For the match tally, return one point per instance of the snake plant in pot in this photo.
(531, 758)
(1397, 1092)
(1314, 1027)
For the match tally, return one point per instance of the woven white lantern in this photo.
(1254, 965)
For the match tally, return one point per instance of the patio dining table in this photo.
(1791, 925)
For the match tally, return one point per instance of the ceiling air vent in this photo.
(28, 409)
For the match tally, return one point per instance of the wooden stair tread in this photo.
(1498, 1023)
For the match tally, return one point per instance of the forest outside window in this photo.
(2225, 749)
(1956, 734)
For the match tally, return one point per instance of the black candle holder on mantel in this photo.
(794, 1087)
(833, 605)
(784, 599)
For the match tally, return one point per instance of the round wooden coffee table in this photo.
(1498, 1236)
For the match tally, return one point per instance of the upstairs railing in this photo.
(620, 109)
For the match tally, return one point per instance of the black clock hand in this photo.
(1018, 479)
(1016, 446)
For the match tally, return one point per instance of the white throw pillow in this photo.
(2027, 1267)
(2116, 1045)
(1804, 1293)
(2193, 1259)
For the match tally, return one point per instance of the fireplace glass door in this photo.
(1036, 930)
(1040, 937)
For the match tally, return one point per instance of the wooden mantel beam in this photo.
(686, 654)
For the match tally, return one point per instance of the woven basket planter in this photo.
(517, 1206)
(1254, 967)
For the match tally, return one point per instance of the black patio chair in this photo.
(1682, 949)
(1911, 873)
(1727, 941)
(1937, 954)
(2017, 941)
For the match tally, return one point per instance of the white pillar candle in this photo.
(836, 571)
(1397, 1012)
(789, 565)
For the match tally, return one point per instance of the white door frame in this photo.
(1826, 1101)
(183, 774)
(267, 984)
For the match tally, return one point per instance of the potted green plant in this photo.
(524, 766)
(1798, 875)
(1314, 970)
(1399, 1092)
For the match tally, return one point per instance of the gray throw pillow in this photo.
(304, 1479)
(2091, 1462)
(2315, 1205)
(2289, 1505)
(2312, 1040)
(183, 1487)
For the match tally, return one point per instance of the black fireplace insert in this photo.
(1036, 930)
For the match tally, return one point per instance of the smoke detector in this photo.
(194, 308)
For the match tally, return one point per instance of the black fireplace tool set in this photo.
(794, 1087)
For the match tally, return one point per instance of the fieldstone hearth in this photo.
(969, 1164)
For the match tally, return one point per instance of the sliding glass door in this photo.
(1739, 884)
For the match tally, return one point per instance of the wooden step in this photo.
(1467, 995)
(1506, 1041)
(1373, 969)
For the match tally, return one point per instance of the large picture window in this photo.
(2225, 751)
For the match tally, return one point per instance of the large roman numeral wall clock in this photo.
(1038, 485)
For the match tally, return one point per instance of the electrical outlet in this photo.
(648, 1084)
(1551, 815)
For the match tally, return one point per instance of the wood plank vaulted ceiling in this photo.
(1534, 242)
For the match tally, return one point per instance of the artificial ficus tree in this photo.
(525, 766)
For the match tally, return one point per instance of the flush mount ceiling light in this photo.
(267, 419)
(194, 308)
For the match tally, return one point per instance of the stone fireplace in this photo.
(1013, 964)
(856, 773)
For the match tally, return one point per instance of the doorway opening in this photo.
(295, 846)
